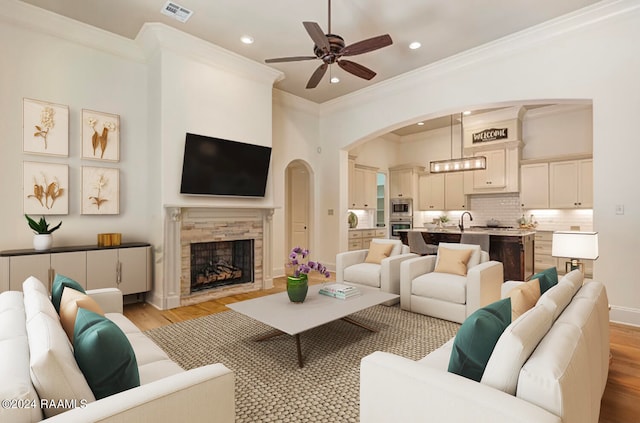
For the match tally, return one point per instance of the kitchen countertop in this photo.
(490, 231)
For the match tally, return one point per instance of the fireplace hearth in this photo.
(221, 263)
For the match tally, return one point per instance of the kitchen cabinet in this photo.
(359, 239)
(403, 181)
(454, 196)
(534, 186)
(432, 191)
(127, 267)
(362, 186)
(502, 174)
(494, 175)
(571, 184)
(442, 191)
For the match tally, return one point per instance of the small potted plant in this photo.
(297, 274)
(42, 240)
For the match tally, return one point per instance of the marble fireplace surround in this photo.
(188, 225)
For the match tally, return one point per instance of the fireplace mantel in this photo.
(184, 224)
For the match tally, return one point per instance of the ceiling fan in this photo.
(330, 48)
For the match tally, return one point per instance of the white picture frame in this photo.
(45, 188)
(100, 190)
(100, 136)
(45, 128)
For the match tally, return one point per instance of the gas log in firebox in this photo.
(221, 263)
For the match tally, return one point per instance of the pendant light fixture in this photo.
(461, 164)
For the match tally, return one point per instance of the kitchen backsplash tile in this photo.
(506, 209)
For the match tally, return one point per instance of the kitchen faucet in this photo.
(461, 224)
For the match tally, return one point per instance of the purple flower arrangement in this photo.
(300, 267)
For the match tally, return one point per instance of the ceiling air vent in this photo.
(176, 11)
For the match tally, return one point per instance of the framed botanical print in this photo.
(45, 188)
(100, 136)
(45, 128)
(100, 190)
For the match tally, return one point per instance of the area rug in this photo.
(270, 387)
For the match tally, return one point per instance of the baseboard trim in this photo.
(625, 315)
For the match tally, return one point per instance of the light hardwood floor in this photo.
(620, 403)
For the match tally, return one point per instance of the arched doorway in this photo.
(299, 194)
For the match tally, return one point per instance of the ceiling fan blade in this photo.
(290, 59)
(317, 35)
(317, 76)
(367, 45)
(356, 69)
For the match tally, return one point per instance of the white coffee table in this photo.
(280, 313)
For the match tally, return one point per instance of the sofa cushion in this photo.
(34, 283)
(514, 347)
(35, 302)
(474, 260)
(548, 278)
(14, 366)
(364, 274)
(378, 252)
(59, 284)
(104, 355)
(477, 338)
(524, 297)
(54, 371)
(442, 286)
(560, 295)
(71, 301)
(452, 261)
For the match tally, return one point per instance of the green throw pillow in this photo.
(104, 355)
(59, 284)
(477, 337)
(548, 278)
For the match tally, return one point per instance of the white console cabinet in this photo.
(126, 267)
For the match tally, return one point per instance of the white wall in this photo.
(589, 56)
(39, 64)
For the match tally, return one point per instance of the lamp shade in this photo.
(578, 245)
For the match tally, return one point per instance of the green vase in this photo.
(297, 288)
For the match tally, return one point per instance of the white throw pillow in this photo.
(514, 347)
(54, 371)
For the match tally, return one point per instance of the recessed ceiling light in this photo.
(415, 45)
(466, 112)
(335, 80)
(247, 39)
(420, 123)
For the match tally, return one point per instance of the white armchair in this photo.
(352, 268)
(450, 296)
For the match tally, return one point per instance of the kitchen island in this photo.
(514, 248)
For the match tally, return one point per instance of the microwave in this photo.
(401, 207)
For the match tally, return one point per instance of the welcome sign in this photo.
(492, 134)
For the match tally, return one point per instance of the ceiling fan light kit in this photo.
(330, 48)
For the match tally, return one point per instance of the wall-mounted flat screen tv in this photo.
(214, 166)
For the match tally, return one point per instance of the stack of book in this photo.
(339, 290)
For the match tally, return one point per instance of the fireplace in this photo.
(221, 263)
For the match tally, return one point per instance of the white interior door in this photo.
(298, 203)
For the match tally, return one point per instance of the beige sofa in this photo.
(166, 391)
(550, 365)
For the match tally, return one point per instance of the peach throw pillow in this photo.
(377, 252)
(69, 303)
(524, 297)
(452, 261)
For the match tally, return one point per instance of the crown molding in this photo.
(154, 37)
(27, 16)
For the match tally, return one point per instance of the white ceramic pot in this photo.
(42, 242)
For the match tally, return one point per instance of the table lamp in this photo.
(576, 246)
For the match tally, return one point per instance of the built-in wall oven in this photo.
(399, 223)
